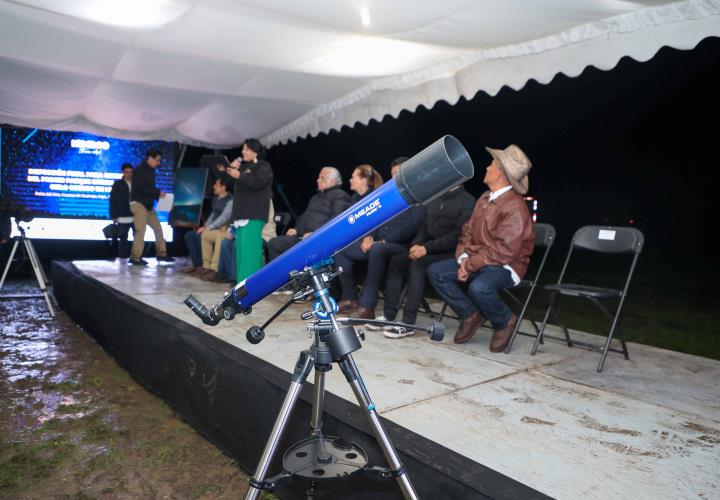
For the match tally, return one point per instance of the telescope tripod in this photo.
(28, 253)
(321, 456)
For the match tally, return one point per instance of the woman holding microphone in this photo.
(253, 186)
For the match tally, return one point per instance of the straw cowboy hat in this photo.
(515, 164)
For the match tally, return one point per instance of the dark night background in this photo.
(634, 143)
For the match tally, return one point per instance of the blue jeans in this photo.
(192, 241)
(483, 289)
(226, 265)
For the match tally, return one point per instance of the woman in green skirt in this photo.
(253, 185)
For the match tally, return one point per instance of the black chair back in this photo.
(544, 235)
(282, 221)
(609, 239)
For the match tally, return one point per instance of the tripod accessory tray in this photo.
(324, 457)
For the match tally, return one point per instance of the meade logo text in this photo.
(368, 210)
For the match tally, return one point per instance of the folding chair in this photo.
(599, 239)
(544, 238)
(282, 221)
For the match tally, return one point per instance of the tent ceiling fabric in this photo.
(215, 72)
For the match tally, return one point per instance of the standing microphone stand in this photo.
(321, 456)
(28, 253)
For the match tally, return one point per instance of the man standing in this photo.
(120, 209)
(329, 201)
(204, 243)
(143, 194)
(493, 252)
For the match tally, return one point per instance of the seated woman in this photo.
(362, 182)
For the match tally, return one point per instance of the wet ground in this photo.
(73, 424)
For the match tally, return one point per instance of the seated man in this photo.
(205, 241)
(493, 252)
(391, 238)
(435, 241)
(329, 201)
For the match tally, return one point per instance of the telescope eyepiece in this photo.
(206, 314)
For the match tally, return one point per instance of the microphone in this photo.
(427, 175)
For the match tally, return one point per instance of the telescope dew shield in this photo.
(427, 175)
(436, 169)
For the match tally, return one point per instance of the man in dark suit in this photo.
(120, 209)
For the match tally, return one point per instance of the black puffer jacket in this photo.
(120, 200)
(444, 221)
(252, 191)
(322, 207)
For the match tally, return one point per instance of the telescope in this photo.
(308, 265)
(427, 175)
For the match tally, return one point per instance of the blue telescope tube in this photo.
(360, 219)
(427, 175)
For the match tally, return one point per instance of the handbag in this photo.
(110, 231)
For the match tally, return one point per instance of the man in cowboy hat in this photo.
(493, 251)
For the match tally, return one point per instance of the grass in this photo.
(21, 463)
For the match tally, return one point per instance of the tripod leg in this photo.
(9, 263)
(304, 364)
(31, 246)
(350, 369)
(318, 403)
(39, 273)
(317, 412)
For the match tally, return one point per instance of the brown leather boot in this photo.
(468, 327)
(501, 338)
(347, 306)
(364, 313)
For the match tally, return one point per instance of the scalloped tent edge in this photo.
(637, 35)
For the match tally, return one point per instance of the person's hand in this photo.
(234, 173)
(366, 243)
(235, 164)
(291, 232)
(162, 194)
(417, 251)
(463, 273)
(229, 235)
(306, 235)
(201, 230)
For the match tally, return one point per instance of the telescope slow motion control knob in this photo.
(255, 335)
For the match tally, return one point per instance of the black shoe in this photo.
(138, 262)
(165, 258)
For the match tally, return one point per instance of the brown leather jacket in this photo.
(498, 233)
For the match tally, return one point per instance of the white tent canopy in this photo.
(215, 72)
